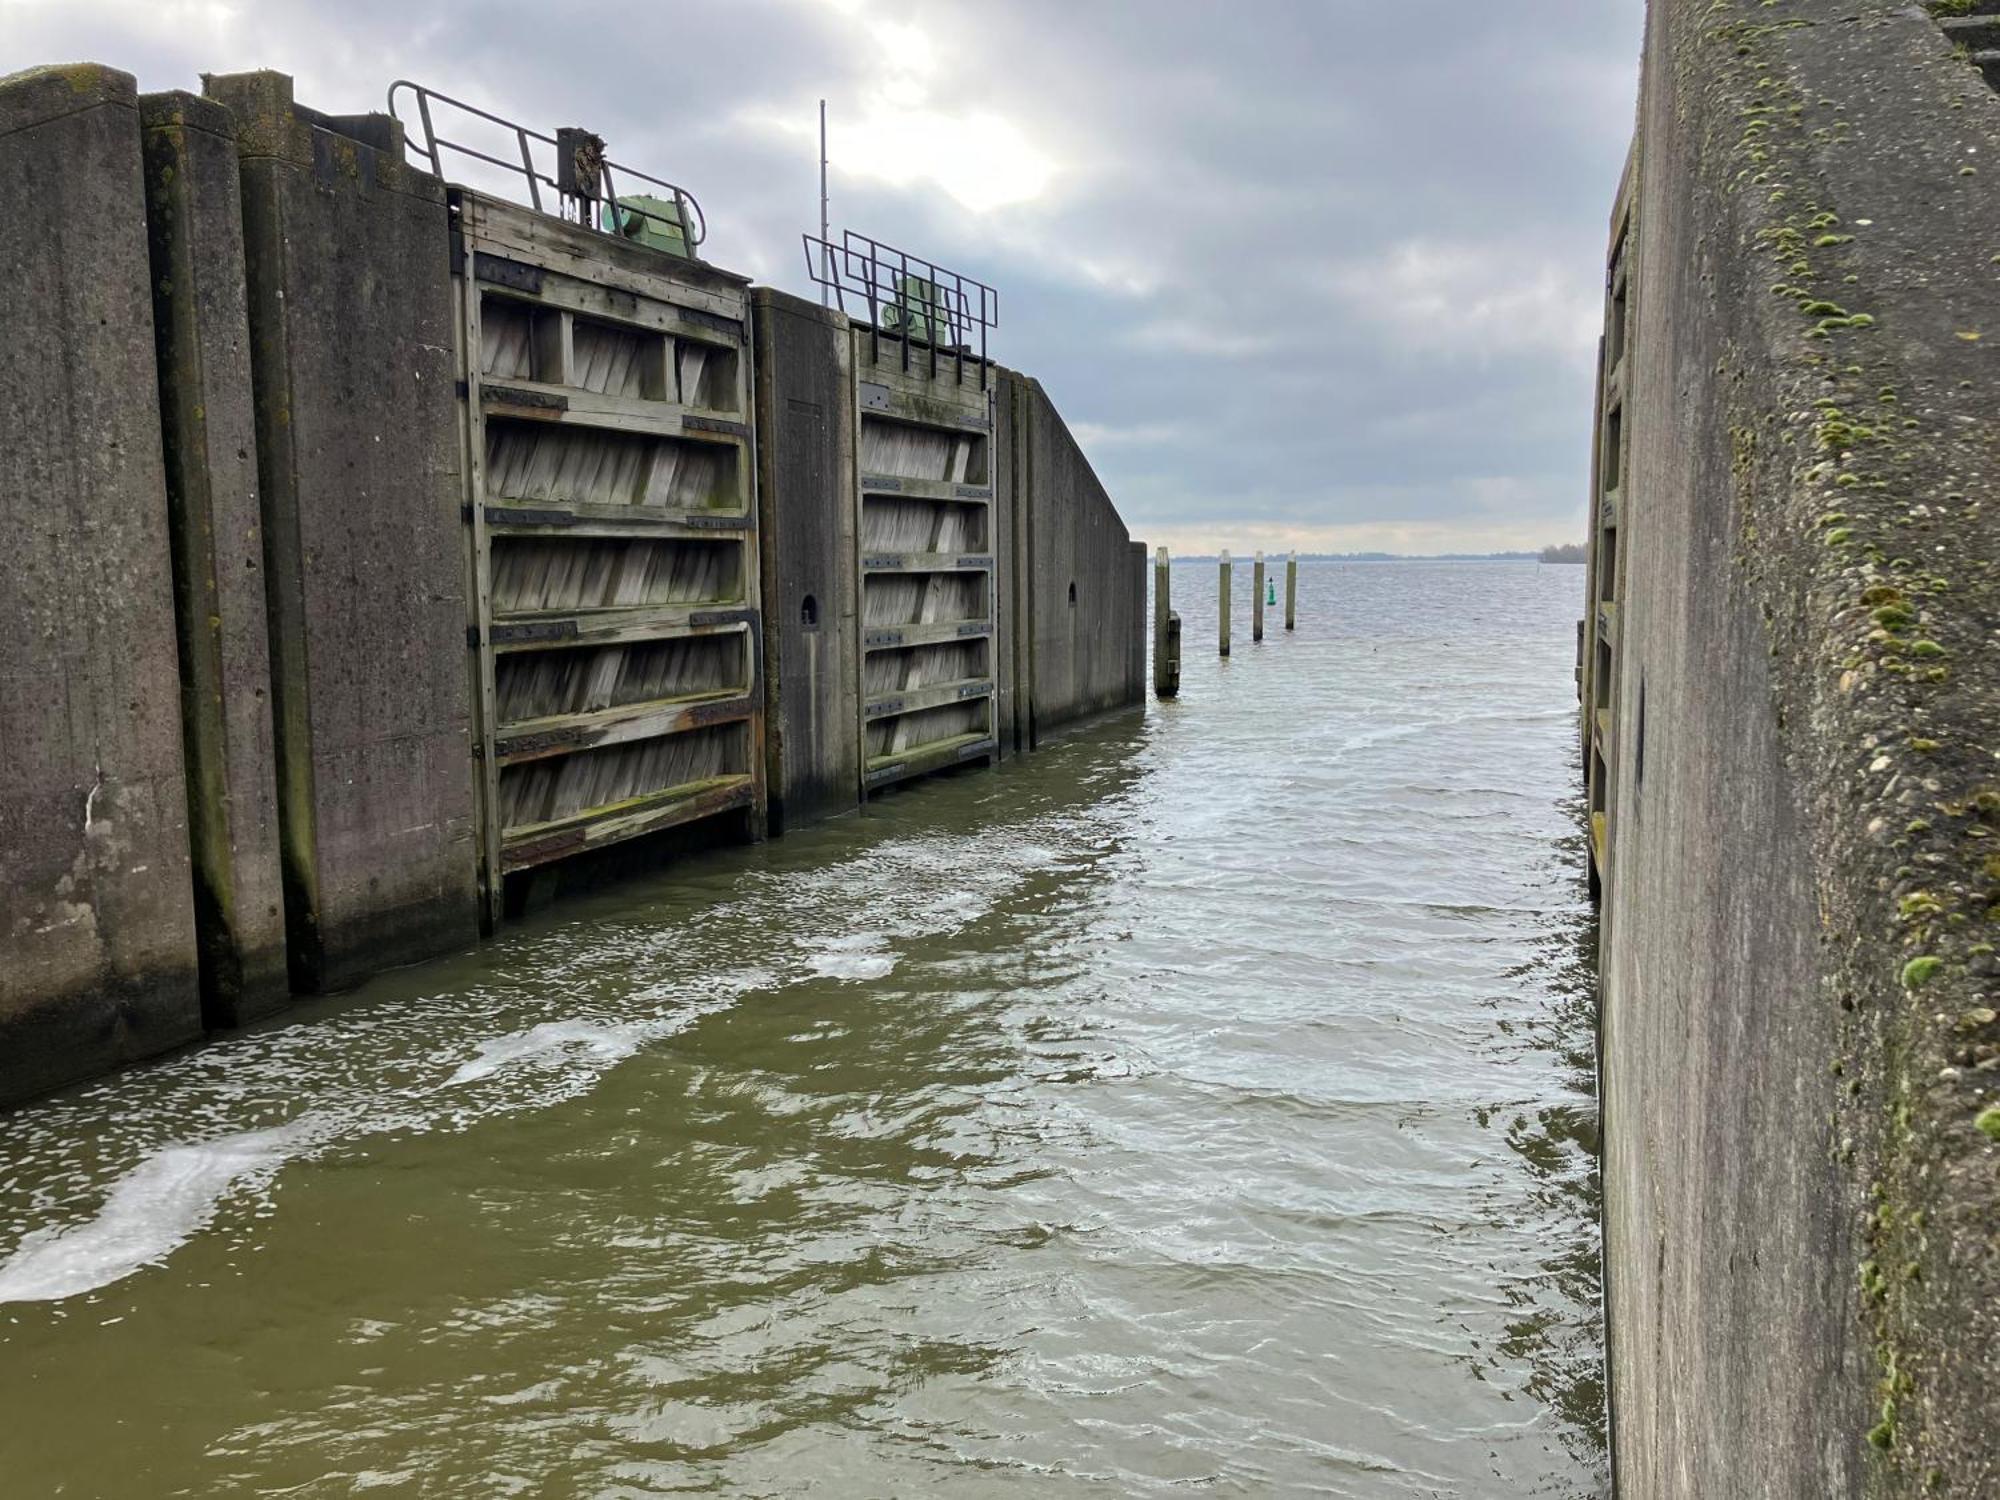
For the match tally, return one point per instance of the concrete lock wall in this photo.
(358, 449)
(1800, 802)
(97, 953)
(806, 469)
(194, 223)
(255, 501)
(1082, 586)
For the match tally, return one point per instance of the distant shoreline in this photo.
(1387, 557)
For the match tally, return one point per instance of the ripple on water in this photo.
(1202, 1103)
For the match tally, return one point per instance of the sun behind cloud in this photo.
(898, 131)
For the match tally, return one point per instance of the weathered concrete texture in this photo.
(1082, 589)
(201, 322)
(347, 251)
(97, 954)
(806, 475)
(1803, 1251)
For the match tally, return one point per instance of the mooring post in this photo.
(1166, 649)
(1222, 594)
(1292, 592)
(1257, 599)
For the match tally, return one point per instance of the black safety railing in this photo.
(570, 165)
(917, 302)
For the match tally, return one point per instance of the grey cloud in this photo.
(1310, 268)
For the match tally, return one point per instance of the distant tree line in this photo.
(1566, 552)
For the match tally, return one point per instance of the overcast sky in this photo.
(1315, 275)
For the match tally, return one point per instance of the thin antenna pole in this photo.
(826, 255)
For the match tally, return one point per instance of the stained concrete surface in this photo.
(347, 251)
(195, 227)
(95, 907)
(806, 476)
(1802, 1246)
(1082, 609)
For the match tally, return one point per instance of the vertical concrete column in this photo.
(97, 951)
(347, 249)
(194, 223)
(805, 497)
(1166, 673)
(1292, 592)
(1257, 600)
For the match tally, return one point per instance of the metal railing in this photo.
(582, 178)
(915, 301)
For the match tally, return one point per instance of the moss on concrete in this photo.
(1877, 562)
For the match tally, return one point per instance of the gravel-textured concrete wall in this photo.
(1803, 1253)
(1079, 610)
(97, 954)
(358, 450)
(805, 458)
(194, 222)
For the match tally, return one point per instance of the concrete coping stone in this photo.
(35, 96)
(179, 108)
(272, 126)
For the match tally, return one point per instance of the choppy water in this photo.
(1202, 1104)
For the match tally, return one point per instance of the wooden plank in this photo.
(546, 629)
(563, 734)
(880, 402)
(926, 562)
(574, 298)
(650, 522)
(585, 255)
(930, 633)
(937, 695)
(926, 489)
(920, 760)
(542, 401)
(916, 384)
(539, 843)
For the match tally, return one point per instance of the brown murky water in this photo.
(1202, 1104)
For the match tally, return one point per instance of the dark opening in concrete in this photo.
(1639, 740)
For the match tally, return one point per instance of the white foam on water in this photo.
(854, 955)
(177, 1189)
(853, 965)
(150, 1212)
(551, 1043)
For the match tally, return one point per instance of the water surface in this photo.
(1202, 1104)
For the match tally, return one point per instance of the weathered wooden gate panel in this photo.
(925, 530)
(611, 537)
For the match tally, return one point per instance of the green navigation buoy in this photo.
(1271, 592)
